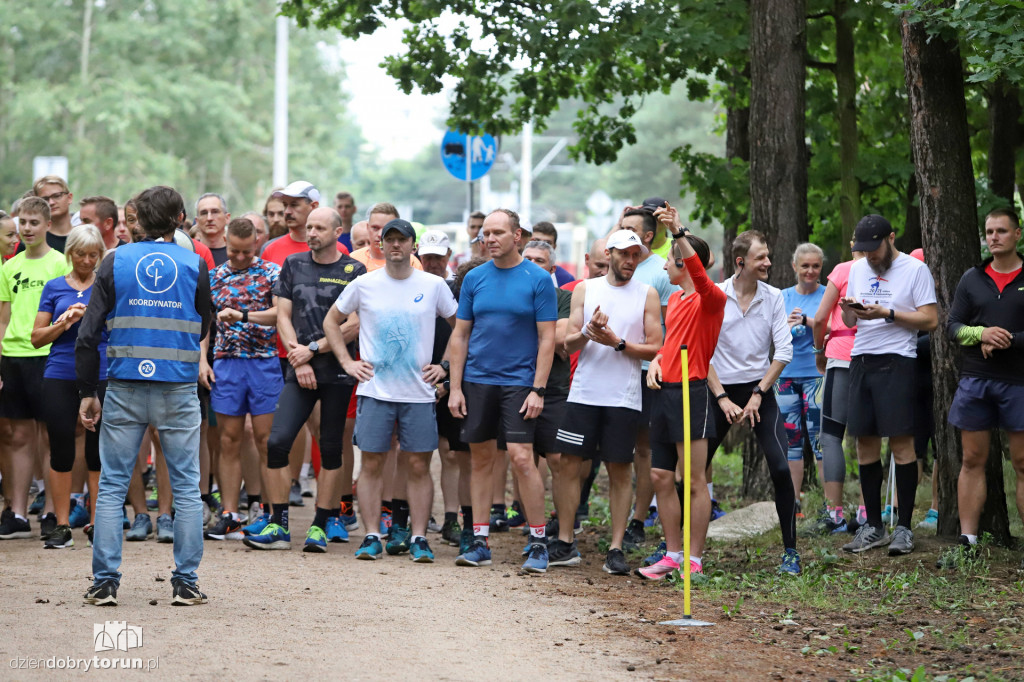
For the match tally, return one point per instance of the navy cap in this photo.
(652, 204)
(870, 232)
(403, 226)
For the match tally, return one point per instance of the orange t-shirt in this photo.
(363, 256)
(694, 320)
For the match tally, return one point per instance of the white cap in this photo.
(623, 239)
(300, 189)
(434, 242)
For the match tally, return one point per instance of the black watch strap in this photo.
(721, 395)
(245, 316)
(683, 231)
(539, 390)
(757, 390)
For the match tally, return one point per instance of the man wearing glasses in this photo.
(54, 190)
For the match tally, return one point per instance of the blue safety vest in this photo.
(154, 326)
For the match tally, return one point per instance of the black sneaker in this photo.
(59, 538)
(450, 533)
(615, 562)
(102, 594)
(634, 536)
(13, 528)
(955, 556)
(186, 595)
(563, 553)
(226, 528)
(551, 528)
(47, 524)
(499, 524)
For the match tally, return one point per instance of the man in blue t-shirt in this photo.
(501, 352)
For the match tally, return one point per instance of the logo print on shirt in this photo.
(147, 368)
(876, 284)
(156, 272)
(418, 299)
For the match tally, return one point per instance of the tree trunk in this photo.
(778, 155)
(1004, 111)
(846, 90)
(942, 154)
(757, 484)
(911, 237)
(83, 66)
(737, 146)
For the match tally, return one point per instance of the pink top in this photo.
(840, 342)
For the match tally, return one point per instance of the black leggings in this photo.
(61, 407)
(771, 436)
(293, 409)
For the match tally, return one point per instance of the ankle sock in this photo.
(481, 530)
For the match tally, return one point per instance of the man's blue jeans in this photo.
(128, 409)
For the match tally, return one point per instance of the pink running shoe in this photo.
(660, 570)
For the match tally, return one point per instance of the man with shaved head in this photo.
(360, 235)
(307, 286)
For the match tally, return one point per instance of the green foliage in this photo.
(177, 93)
(514, 61)
(991, 32)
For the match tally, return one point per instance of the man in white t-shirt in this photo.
(397, 307)
(615, 323)
(890, 297)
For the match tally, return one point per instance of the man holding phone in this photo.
(890, 297)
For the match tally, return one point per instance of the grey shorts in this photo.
(378, 420)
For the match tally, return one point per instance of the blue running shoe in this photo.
(716, 511)
(370, 550)
(398, 543)
(466, 540)
(125, 523)
(841, 527)
(336, 530)
(537, 562)
(79, 515)
(652, 518)
(479, 554)
(348, 517)
(271, 537)
(419, 551)
(316, 540)
(37, 504)
(790, 562)
(887, 513)
(658, 555)
(930, 521)
(257, 526)
(385, 524)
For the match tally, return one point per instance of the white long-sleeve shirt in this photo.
(746, 339)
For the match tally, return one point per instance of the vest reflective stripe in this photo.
(157, 323)
(154, 326)
(174, 354)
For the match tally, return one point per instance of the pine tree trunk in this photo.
(1004, 128)
(941, 148)
(846, 91)
(778, 154)
(737, 146)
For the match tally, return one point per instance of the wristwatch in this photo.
(721, 395)
(681, 233)
(245, 316)
(621, 345)
(314, 347)
(892, 316)
(539, 390)
(757, 390)
(446, 366)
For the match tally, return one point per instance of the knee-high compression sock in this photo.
(320, 517)
(906, 488)
(280, 515)
(871, 488)
(467, 516)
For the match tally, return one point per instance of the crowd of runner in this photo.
(328, 333)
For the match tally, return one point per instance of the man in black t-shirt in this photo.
(307, 287)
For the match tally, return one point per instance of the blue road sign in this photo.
(481, 150)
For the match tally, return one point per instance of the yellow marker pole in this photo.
(687, 619)
(684, 364)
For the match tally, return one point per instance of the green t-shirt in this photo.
(21, 283)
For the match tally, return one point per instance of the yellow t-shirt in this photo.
(21, 284)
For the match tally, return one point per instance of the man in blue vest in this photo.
(154, 299)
